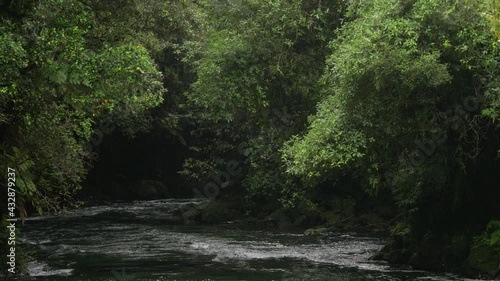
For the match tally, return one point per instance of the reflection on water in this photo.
(138, 241)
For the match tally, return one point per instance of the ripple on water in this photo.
(41, 269)
(99, 237)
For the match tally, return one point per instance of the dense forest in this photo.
(320, 115)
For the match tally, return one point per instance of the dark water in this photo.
(138, 241)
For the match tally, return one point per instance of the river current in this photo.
(141, 241)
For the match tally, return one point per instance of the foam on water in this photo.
(129, 234)
(38, 269)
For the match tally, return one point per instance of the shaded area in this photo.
(144, 167)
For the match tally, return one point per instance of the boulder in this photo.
(316, 230)
(484, 259)
(279, 218)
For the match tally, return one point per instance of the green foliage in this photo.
(375, 62)
(12, 59)
(490, 237)
(306, 91)
(257, 73)
(61, 74)
(263, 183)
(259, 56)
(396, 74)
(410, 102)
(324, 148)
(401, 229)
(485, 251)
(316, 230)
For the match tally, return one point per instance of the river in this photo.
(138, 241)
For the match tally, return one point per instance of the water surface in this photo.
(142, 241)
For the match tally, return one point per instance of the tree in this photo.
(256, 77)
(62, 74)
(404, 89)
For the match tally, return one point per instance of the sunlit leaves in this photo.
(393, 66)
(13, 58)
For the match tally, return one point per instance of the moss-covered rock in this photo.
(316, 230)
(483, 258)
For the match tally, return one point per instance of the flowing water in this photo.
(139, 241)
